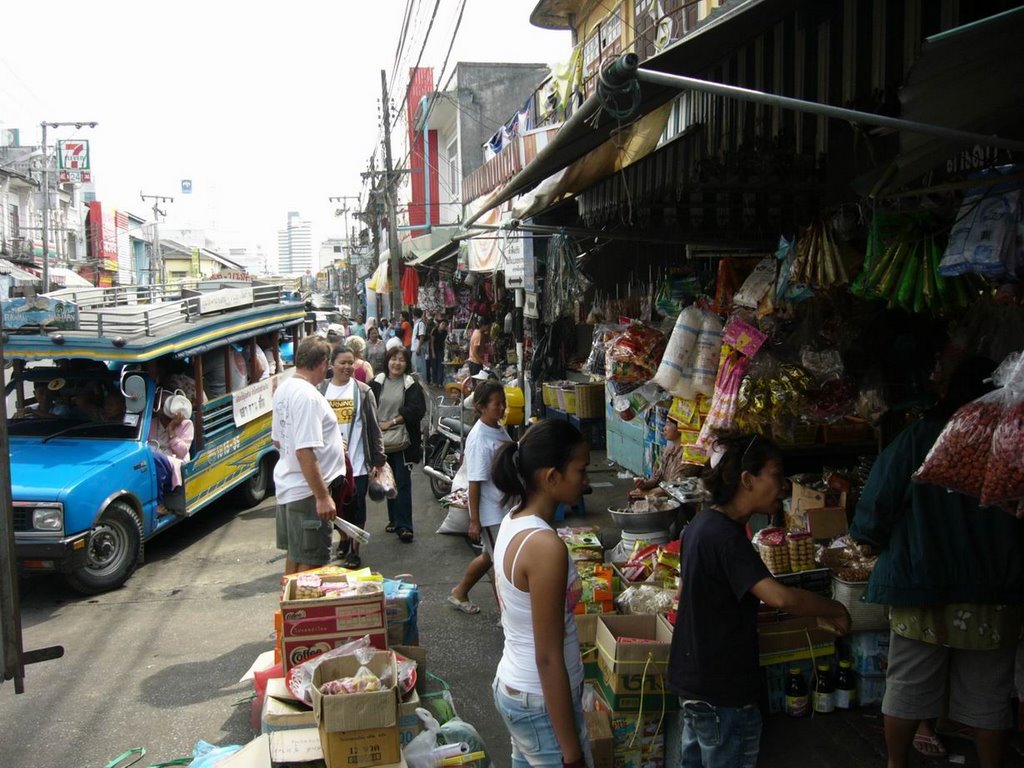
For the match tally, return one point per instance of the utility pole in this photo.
(46, 194)
(158, 261)
(389, 190)
(350, 251)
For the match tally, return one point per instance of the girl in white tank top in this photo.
(539, 680)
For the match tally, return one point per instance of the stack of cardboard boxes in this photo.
(350, 730)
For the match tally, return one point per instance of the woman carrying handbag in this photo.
(356, 409)
(401, 406)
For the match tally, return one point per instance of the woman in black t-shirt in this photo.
(438, 337)
(713, 666)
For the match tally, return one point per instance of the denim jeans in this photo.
(534, 744)
(400, 507)
(438, 364)
(720, 737)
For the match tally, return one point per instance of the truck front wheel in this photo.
(113, 552)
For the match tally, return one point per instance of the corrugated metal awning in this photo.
(20, 275)
(967, 78)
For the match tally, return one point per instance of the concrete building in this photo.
(295, 246)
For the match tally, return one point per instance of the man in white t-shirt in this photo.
(312, 458)
(419, 345)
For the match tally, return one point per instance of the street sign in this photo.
(73, 155)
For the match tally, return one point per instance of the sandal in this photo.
(353, 561)
(405, 535)
(463, 605)
(929, 746)
(390, 528)
(343, 548)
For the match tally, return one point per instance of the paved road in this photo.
(157, 663)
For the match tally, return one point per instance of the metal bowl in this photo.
(644, 522)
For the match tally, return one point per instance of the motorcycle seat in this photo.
(455, 425)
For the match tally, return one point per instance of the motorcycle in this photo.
(442, 455)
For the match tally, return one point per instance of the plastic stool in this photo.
(563, 509)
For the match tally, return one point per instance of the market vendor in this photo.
(479, 348)
(670, 465)
(713, 666)
(953, 574)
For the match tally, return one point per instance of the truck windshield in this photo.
(75, 406)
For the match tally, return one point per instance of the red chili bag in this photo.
(960, 457)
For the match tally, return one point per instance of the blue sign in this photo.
(186, 186)
(52, 314)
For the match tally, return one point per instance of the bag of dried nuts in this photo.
(960, 457)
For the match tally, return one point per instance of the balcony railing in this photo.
(652, 35)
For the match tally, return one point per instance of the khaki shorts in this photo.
(300, 532)
(980, 683)
(489, 535)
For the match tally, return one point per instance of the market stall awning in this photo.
(978, 68)
(430, 249)
(68, 278)
(17, 273)
(587, 129)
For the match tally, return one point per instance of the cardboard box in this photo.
(312, 627)
(630, 644)
(402, 601)
(409, 723)
(602, 746)
(635, 683)
(786, 640)
(870, 689)
(647, 748)
(633, 702)
(257, 754)
(805, 498)
(586, 628)
(358, 729)
(827, 522)
(290, 727)
(869, 652)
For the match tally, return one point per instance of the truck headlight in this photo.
(48, 518)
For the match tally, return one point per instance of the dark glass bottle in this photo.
(797, 704)
(846, 686)
(824, 699)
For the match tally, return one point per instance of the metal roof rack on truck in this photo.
(149, 310)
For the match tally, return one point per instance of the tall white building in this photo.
(295, 246)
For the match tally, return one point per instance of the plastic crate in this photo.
(865, 616)
(593, 431)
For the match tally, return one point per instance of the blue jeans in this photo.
(534, 744)
(419, 364)
(720, 737)
(438, 363)
(400, 507)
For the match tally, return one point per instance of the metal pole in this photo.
(46, 213)
(157, 256)
(682, 82)
(395, 248)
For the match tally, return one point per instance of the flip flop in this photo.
(390, 528)
(929, 746)
(463, 605)
(405, 535)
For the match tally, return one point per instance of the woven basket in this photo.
(590, 401)
(550, 395)
(864, 616)
(567, 399)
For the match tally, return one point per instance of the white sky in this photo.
(267, 108)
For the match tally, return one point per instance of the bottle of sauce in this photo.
(824, 698)
(797, 704)
(846, 686)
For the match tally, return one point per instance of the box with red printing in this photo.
(313, 626)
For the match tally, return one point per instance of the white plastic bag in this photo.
(675, 372)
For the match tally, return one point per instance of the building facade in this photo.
(295, 246)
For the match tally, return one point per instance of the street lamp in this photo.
(46, 193)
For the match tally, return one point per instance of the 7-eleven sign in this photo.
(73, 160)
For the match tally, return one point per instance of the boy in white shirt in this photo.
(486, 506)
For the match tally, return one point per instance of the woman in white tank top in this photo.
(539, 680)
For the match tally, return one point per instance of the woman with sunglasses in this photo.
(713, 667)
